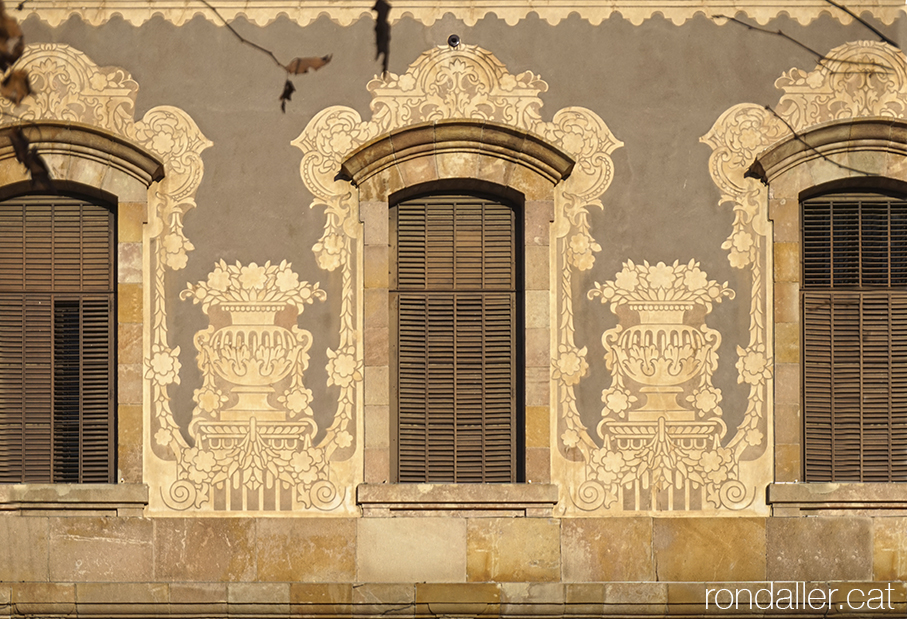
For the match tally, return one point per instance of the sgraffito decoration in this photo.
(253, 427)
(858, 79)
(662, 425)
(346, 12)
(68, 86)
(444, 83)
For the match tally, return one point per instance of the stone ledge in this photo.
(418, 600)
(465, 500)
(828, 499)
(74, 499)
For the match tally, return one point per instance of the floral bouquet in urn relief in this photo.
(661, 423)
(253, 424)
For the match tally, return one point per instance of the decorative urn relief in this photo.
(661, 425)
(253, 353)
(253, 424)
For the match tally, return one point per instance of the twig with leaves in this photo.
(297, 66)
(382, 32)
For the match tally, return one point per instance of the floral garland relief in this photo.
(68, 86)
(253, 424)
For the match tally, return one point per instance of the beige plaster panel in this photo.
(207, 550)
(607, 549)
(23, 549)
(113, 550)
(308, 550)
(889, 549)
(818, 549)
(706, 549)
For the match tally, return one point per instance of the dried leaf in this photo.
(298, 66)
(19, 142)
(40, 174)
(15, 86)
(286, 95)
(382, 32)
(12, 45)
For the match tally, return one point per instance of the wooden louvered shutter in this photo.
(57, 367)
(855, 338)
(456, 302)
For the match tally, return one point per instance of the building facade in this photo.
(580, 309)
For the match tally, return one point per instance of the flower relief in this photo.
(661, 423)
(253, 423)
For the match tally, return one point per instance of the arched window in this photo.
(57, 340)
(456, 294)
(854, 304)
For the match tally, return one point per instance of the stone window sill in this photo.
(459, 500)
(73, 499)
(832, 499)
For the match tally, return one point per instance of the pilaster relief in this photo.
(69, 87)
(552, 11)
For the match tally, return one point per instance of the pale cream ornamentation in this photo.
(859, 79)
(68, 86)
(444, 83)
(253, 449)
(346, 12)
(661, 353)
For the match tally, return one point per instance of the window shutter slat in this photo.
(57, 340)
(456, 340)
(855, 338)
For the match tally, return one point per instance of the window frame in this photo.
(471, 155)
(834, 290)
(92, 163)
(444, 191)
(856, 154)
(56, 295)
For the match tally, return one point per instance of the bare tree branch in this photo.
(241, 38)
(864, 22)
(821, 58)
(756, 171)
(296, 66)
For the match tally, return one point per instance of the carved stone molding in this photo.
(553, 12)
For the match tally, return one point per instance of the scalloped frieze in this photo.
(553, 12)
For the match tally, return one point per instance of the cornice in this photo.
(427, 12)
